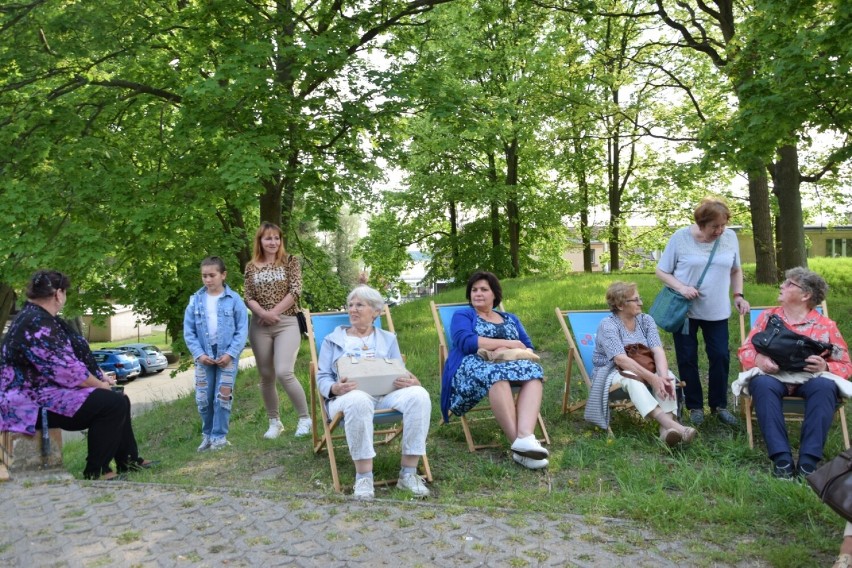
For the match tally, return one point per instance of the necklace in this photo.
(364, 344)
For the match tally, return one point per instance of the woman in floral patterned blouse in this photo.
(45, 364)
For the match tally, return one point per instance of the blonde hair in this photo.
(257, 257)
(618, 293)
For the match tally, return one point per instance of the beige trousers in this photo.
(275, 348)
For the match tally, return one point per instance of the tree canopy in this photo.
(137, 137)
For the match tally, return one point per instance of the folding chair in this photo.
(389, 421)
(443, 316)
(792, 406)
(584, 324)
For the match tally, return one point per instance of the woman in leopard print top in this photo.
(273, 283)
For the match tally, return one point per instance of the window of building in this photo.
(838, 247)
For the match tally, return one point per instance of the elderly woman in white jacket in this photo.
(362, 339)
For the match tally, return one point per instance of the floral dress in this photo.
(475, 376)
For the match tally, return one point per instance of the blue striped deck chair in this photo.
(324, 426)
(793, 406)
(442, 314)
(581, 328)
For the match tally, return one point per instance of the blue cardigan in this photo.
(466, 342)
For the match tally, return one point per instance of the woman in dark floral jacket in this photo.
(46, 365)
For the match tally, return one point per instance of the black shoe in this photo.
(806, 468)
(725, 417)
(783, 470)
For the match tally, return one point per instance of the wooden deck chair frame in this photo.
(793, 406)
(388, 422)
(583, 366)
(444, 352)
(618, 399)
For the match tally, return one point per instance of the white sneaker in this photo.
(364, 489)
(219, 444)
(529, 447)
(304, 427)
(529, 463)
(205, 443)
(414, 483)
(275, 429)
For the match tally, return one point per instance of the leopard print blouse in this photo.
(268, 285)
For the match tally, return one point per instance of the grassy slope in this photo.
(716, 495)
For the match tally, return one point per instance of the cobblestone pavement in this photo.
(121, 523)
(54, 520)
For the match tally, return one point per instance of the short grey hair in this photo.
(369, 295)
(810, 282)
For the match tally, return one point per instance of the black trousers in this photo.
(106, 414)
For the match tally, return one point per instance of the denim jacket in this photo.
(232, 319)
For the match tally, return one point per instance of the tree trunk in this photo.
(761, 226)
(496, 243)
(454, 242)
(614, 152)
(791, 232)
(585, 231)
(512, 209)
(7, 302)
(270, 201)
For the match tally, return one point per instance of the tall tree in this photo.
(125, 118)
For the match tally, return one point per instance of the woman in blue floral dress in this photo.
(468, 377)
(47, 365)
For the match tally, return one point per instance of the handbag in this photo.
(833, 483)
(786, 347)
(507, 355)
(303, 323)
(669, 311)
(643, 355)
(670, 308)
(374, 375)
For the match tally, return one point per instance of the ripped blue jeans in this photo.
(214, 395)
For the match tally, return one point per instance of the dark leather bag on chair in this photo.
(833, 483)
(787, 348)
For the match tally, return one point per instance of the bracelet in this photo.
(739, 295)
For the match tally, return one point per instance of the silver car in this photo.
(149, 355)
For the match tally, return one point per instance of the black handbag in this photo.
(303, 323)
(787, 348)
(833, 483)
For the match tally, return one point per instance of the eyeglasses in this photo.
(637, 299)
(787, 283)
(357, 307)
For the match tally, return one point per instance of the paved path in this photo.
(88, 524)
(58, 521)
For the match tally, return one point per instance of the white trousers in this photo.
(357, 407)
(643, 398)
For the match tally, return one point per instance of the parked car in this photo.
(150, 356)
(125, 365)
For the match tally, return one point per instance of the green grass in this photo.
(715, 496)
(158, 339)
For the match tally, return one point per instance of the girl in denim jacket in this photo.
(215, 327)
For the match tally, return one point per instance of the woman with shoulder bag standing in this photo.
(684, 259)
(273, 283)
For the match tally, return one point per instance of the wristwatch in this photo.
(738, 295)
